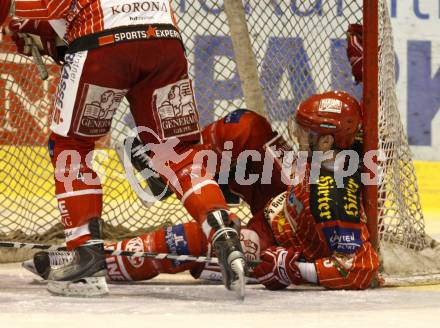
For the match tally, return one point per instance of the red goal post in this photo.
(370, 105)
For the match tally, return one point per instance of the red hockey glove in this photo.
(25, 33)
(355, 50)
(5, 6)
(278, 269)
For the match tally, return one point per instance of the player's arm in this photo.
(279, 268)
(351, 265)
(41, 9)
(28, 33)
(348, 271)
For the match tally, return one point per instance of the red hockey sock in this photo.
(182, 239)
(77, 186)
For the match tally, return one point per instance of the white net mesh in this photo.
(408, 255)
(400, 215)
(300, 49)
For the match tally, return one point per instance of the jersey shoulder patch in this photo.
(235, 116)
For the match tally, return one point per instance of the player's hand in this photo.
(27, 33)
(278, 269)
(355, 50)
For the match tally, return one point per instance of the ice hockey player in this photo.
(314, 232)
(112, 53)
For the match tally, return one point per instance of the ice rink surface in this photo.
(180, 301)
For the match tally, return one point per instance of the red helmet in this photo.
(334, 112)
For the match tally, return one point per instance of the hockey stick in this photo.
(38, 60)
(157, 256)
(36, 55)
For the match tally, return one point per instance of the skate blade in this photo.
(30, 266)
(86, 287)
(239, 284)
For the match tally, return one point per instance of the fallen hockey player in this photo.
(314, 232)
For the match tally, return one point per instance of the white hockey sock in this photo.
(308, 271)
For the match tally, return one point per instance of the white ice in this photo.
(180, 301)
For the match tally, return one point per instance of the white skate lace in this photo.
(59, 258)
(140, 152)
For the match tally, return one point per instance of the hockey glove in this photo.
(26, 33)
(355, 50)
(278, 269)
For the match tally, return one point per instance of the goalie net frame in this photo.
(418, 256)
(254, 98)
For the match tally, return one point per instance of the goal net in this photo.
(296, 48)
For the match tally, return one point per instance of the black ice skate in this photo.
(227, 246)
(137, 153)
(41, 263)
(85, 274)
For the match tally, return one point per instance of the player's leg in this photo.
(79, 196)
(93, 84)
(163, 106)
(181, 239)
(244, 131)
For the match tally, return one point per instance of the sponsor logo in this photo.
(328, 126)
(165, 34)
(132, 35)
(135, 245)
(96, 113)
(275, 206)
(175, 112)
(282, 268)
(329, 203)
(65, 217)
(140, 7)
(351, 199)
(150, 33)
(68, 74)
(250, 243)
(343, 240)
(113, 270)
(326, 184)
(176, 241)
(330, 106)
